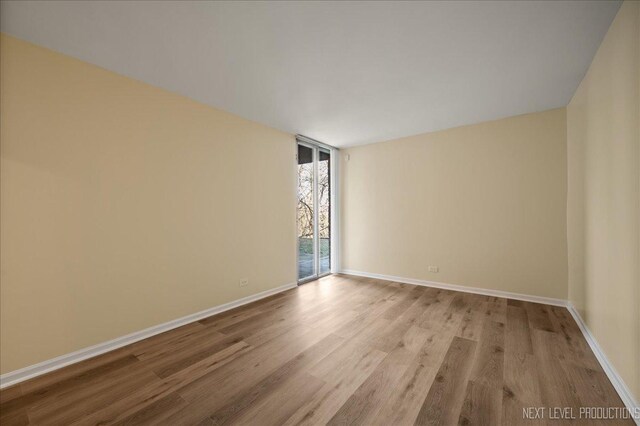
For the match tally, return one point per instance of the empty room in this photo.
(319, 212)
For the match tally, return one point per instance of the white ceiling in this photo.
(344, 73)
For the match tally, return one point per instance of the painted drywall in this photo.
(603, 139)
(125, 206)
(484, 203)
(343, 72)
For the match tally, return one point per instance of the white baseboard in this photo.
(465, 289)
(617, 382)
(35, 370)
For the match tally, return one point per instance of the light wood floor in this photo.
(335, 351)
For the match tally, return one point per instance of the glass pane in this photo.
(305, 213)
(324, 211)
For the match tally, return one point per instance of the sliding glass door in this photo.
(314, 211)
(324, 211)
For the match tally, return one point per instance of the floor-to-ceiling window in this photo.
(314, 210)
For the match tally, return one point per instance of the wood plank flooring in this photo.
(340, 350)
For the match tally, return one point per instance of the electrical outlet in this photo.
(244, 282)
(433, 269)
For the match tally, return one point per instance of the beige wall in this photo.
(486, 203)
(125, 206)
(603, 127)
